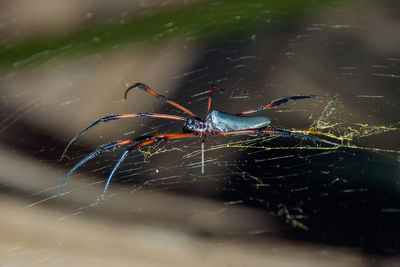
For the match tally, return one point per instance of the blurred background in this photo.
(263, 201)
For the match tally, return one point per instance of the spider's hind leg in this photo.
(278, 132)
(281, 101)
(288, 133)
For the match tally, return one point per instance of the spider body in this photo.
(216, 123)
(225, 122)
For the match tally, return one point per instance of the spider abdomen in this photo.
(225, 122)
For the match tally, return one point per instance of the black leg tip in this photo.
(139, 85)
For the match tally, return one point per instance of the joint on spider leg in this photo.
(259, 108)
(158, 139)
(163, 98)
(143, 114)
(217, 87)
(110, 118)
(139, 85)
(113, 145)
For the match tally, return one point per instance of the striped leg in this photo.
(161, 97)
(152, 140)
(141, 142)
(117, 117)
(278, 132)
(281, 101)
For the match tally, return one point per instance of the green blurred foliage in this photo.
(209, 21)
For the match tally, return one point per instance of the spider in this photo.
(216, 123)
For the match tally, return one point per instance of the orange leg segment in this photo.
(161, 97)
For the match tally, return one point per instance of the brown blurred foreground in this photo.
(142, 229)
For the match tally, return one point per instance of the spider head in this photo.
(194, 125)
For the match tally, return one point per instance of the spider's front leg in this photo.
(121, 116)
(153, 139)
(143, 141)
(210, 96)
(106, 148)
(161, 97)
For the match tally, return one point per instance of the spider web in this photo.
(310, 185)
(352, 189)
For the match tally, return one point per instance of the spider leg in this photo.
(114, 145)
(161, 97)
(117, 117)
(210, 96)
(279, 132)
(281, 101)
(152, 140)
(203, 140)
(108, 147)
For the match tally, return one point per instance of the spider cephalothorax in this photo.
(194, 125)
(216, 123)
